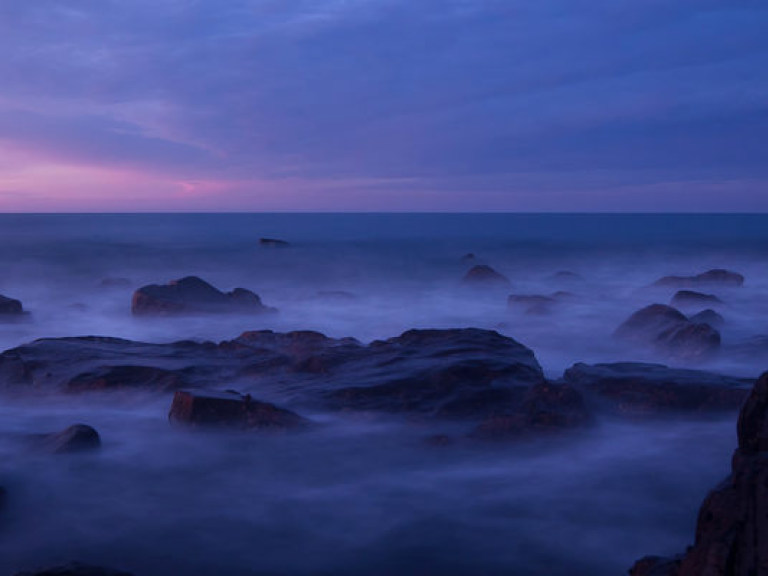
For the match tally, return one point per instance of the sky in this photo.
(383, 105)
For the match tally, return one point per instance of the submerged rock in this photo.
(273, 243)
(484, 275)
(10, 306)
(230, 409)
(75, 438)
(717, 276)
(692, 298)
(670, 332)
(732, 527)
(191, 295)
(75, 569)
(708, 316)
(117, 377)
(640, 389)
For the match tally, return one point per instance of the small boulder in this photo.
(76, 438)
(484, 275)
(708, 316)
(716, 277)
(230, 409)
(192, 295)
(75, 569)
(10, 306)
(273, 243)
(118, 377)
(693, 298)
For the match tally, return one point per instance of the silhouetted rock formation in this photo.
(191, 295)
(75, 569)
(639, 389)
(717, 276)
(732, 528)
(692, 298)
(708, 316)
(75, 438)
(10, 306)
(117, 377)
(484, 275)
(230, 409)
(273, 243)
(670, 332)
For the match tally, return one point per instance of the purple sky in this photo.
(546, 105)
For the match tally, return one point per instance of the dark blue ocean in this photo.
(365, 495)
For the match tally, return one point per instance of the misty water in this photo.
(365, 495)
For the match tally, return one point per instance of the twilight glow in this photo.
(458, 105)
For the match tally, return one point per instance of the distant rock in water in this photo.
(693, 298)
(670, 332)
(230, 409)
(732, 527)
(717, 276)
(191, 295)
(639, 389)
(468, 257)
(708, 316)
(484, 275)
(74, 569)
(10, 306)
(273, 243)
(76, 438)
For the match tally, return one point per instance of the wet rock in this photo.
(3, 497)
(716, 277)
(708, 316)
(76, 438)
(10, 306)
(732, 527)
(230, 409)
(75, 569)
(191, 295)
(273, 243)
(117, 377)
(656, 566)
(671, 333)
(693, 298)
(639, 389)
(546, 408)
(484, 275)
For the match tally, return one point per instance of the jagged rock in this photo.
(10, 306)
(693, 298)
(75, 438)
(639, 389)
(230, 409)
(192, 295)
(484, 275)
(117, 377)
(717, 276)
(670, 333)
(708, 316)
(75, 569)
(732, 527)
(273, 243)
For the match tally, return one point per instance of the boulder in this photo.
(732, 527)
(693, 298)
(484, 275)
(230, 409)
(75, 438)
(191, 295)
(670, 333)
(10, 306)
(708, 316)
(75, 569)
(638, 389)
(117, 377)
(716, 277)
(273, 243)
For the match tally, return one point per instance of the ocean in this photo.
(365, 496)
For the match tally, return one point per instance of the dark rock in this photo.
(10, 306)
(670, 333)
(230, 409)
(546, 408)
(117, 377)
(656, 566)
(690, 297)
(273, 243)
(638, 389)
(468, 257)
(76, 438)
(537, 303)
(717, 277)
(485, 275)
(3, 497)
(192, 295)
(75, 569)
(708, 316)
(732, 527)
